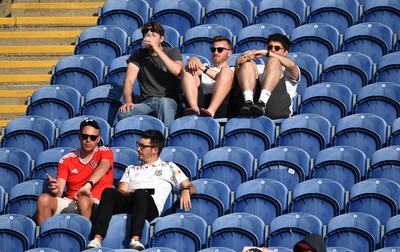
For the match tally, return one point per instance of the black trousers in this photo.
(140, 204)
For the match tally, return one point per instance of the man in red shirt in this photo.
(86, 172)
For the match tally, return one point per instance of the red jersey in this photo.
(76, 173)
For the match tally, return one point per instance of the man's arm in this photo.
(187, 189)
(123, 188)
(290, 66)
(174, 67)
(131, 74)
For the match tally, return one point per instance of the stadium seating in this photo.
(338, 249)
(187, 56)
(123, 156)
(183, 157)
(15, 167)
(385, 163)
(2, 199)
(217, 249)
(17, 232)
(394, 138)
(385, 12)
(47, 162)
(309, 69)
(391, 234)
(388, 249)
(388, 68)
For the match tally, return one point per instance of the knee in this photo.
(166, 102)
(44, 199)
(108, 193)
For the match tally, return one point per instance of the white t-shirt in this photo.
(207, 83)
(161, 176)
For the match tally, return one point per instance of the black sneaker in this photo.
(245, 110)
(258, 109)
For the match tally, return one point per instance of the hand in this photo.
(194, 64)
(53, 184)
(84, 191)
(126, 107)
(185, 202)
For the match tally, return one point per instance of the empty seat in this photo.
(391, 235)
(217, 249)
(311, 132)
(47, 162)
(283, 13)
(287, 164)
(82, 72)
(55, 102)
(367, 132)
(255, 36)
(388, 68)
(388, 249)
(309, 69)
(338, 249)
(373, 39)
(106, 42)
(394, 138)
(186, 159)
(127, 15)
(331, 100)
(318, 39)
(15, 167)
(2, 199)
(235, 15)
(353, 69)
(123, 156)
(382, 99)
(265, 198)
(385, 163)
(346, 165)
(385, 12)
(324, 198)
(33, 134)
(17, 232)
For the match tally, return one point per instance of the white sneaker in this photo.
(94, 243)
(136, 245)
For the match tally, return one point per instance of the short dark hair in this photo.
(283, 39)
(156, 138)
(157, 26)
(222, 38)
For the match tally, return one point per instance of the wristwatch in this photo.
(90, 182)
(206, 69)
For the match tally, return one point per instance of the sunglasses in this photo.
(142, 146)
(92, 137)
(219, 49)
(146, 30)
(277, 48)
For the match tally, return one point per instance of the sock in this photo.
(248, 95)
(264, 96)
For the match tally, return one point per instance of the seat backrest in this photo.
(309, 69)
(230, 164)
(265, 198)
(394, 138)
(392, 229)
(385, 163)
(17, 231)
(47, 162)
(214, 249)
(123, 157)
(2, 199)
(388, 68)
(204, 60)
(346, 165)
(183, 157)
(81, 71)
(385, 12)
(55, 102)
(287, 164)
(15, 167)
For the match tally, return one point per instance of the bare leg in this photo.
(247, 76)
(84, 204)
(190, 84)
(47, 206)
(272, 74)
(223, 84)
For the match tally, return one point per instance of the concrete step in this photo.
(13, 109)
(24, 52)
(24, 78)
(17, 38)
(50, 23)
(56, 1)
(17, 67)
(56, 9)
(15, 97)
(4, 122)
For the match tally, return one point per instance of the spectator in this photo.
(157, 69)
(85, 172)
(209, 87)
(142, 191)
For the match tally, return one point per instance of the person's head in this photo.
(310, 243)
(89, 134)
(278, 43)
(221, 49)
(150, 145)
(153, 29)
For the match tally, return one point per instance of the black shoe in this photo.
(245, 110)
(258, 109)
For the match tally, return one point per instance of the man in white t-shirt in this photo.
(206, 88)
(142, 191)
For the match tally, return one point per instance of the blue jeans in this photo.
(162, 107)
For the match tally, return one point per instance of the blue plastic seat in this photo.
(104, 101)
(367, 132)
(265, 198)
(55, 102)
(186, 159)
(69, 132)
(283, 13)
(373, 39)
(323, 198)
(287, 164)
(180, 14)
(127, 15)
(212, 199)
(255, 36)
(217, 249)
(15, 167)
(32, 134)
(187, 56)
(198, 39)
(388, 68)
(311, 132)
(385, 163)
(64, 232)
(106, 42)
(353, 69)
(317, 39)
(17, 232)
(237, 230)
(128, 130)
(346, 165)
(341, 14)
(199, 134)
(41, 249)
(391, 235)
(356, 231)
(338, 249)
(82, 72)
(286, 230)
(253, 134)
(331, 100)
(230, 164)
(180, 231)
(394, 138)
(2, 199)
(381, 98)
(118, 232)
(123, 156)
(235, 15)
(379, 197)
(385, 12)
(309, 69)
(47, 162)
(388, 249)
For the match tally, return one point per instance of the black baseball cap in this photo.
(89, 122)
